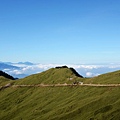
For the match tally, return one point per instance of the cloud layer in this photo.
(23, 70)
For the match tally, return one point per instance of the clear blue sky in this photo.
(60, 31)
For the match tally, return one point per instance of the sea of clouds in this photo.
(86, 70)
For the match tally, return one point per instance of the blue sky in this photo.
(60, 31)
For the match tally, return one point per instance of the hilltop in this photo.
(52, 76)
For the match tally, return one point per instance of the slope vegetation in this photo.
(108, 78)
(52, 76)
(61, 103)
(5, 78)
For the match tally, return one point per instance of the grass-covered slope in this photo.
(52, 76)
(60, 103)
(3, 80)
(108, 78)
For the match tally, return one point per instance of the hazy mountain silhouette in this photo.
(6, 75)
(7, 66)
(26, 63)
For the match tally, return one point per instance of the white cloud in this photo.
(84, 70)
(89, 74)
(17, 72)
(114, 66)
(86, 66)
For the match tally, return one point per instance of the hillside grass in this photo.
(51, 76)
(108, 78)
(4, 81)
(65, 75)
(60, 103)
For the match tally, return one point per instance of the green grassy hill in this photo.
(60, 103)
(52, 76)
(5, 78)
(108, 78)
(4, 81)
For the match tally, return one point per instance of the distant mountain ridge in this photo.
(7, 66)
(26, 63)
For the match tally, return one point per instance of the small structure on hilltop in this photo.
(61, 67)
